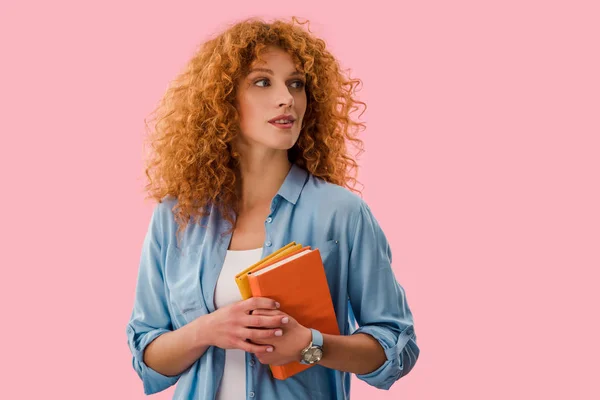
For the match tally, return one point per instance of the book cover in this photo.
(241, 279)
(298, 282)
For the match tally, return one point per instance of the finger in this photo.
(264, 311)
(265, 321)
(254, 303)
(255, 348)
(257, 335)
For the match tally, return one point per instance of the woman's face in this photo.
(271, 89)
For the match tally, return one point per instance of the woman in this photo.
(250, 154)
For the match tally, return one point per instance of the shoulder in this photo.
(164, 221)
(338, 199)
(163, 210)
(167, 224)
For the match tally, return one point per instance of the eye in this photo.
(261, 80)
(299, 84)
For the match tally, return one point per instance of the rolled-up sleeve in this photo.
(379, 302)
(150, 317)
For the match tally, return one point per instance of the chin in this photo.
(282, 146)
(276, 141)
(282, 143)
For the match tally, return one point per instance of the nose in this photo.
(285, 98)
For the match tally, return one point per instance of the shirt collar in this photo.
(293, 184)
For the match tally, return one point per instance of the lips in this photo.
(286, 117)
(282, 126)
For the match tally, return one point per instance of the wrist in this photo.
(313, 351)
(305, 341)
(201, 332)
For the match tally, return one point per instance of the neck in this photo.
(262, 176)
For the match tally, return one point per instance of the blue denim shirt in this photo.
(176, 284)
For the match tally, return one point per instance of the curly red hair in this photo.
(193, 158)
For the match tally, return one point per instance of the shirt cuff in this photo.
(392, 369)
(152, 380)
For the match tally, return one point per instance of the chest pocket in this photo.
(329, 253)
(182, 276)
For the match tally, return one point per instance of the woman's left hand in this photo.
(288, 346)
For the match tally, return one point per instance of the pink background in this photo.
(482, 165)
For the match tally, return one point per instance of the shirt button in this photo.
(251, 394)
(269, 220)
(268, 243)
(251, 363)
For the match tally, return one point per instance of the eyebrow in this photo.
(269, 71)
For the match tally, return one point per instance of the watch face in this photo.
(313, 355)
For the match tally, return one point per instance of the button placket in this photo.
(268, 222)
(250, 375)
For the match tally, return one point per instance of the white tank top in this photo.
(227, 292)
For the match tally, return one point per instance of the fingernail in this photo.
(269, 349)
(285, 320)
(277, 304)
(278, 333)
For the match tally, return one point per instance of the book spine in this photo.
(254, 286)
(244, 288)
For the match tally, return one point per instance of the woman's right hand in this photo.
(231, 325)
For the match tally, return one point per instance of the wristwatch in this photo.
(313, 353)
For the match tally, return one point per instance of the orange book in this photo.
(241, 279)
(289, 253)
(298, 282)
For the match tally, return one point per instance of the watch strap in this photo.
(317, 338)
